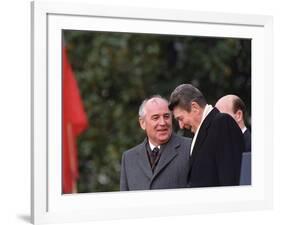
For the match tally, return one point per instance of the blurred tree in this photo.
(116, 71)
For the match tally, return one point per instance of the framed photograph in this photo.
(55, 25)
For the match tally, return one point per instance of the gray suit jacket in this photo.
(170, 172)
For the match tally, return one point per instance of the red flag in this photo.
(74, 121)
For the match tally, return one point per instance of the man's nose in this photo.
(162, 121)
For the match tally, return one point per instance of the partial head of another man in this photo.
(234, 106)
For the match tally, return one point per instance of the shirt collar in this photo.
(207, 110)
(244, 129)
(152, 146)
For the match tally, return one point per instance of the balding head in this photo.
(225, 104)
(156, 99)
(234, 106)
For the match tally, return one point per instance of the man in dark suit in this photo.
(161, 160)
(234, 106)
(217, 144)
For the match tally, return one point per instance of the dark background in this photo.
(116, 71)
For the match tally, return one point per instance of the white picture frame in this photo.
(49, 205)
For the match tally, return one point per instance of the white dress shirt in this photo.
(152, 146)
(207, 110)
(244, 129)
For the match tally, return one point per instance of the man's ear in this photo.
(239, 116)
(195, 107)
(142, 123)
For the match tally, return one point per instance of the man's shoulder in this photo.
(134, 150)
(223, 121)
(217, 120)
(181, 139)
(222, 117)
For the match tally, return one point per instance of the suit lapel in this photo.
(201, 137)
(168, 153)
(143, 160)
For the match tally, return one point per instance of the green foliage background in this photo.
(116, 71)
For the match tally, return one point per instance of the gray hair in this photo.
(142, 110)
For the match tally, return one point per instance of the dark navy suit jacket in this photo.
(247, 139)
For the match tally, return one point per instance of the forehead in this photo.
(156, 105)
(178, 112)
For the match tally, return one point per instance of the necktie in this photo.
(154, 157)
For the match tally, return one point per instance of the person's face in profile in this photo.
(187, 120)
(157, 121)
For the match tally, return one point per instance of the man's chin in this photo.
(164, 138)
(193, 129)
(189, 128)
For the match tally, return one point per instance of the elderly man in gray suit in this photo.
(161, 160)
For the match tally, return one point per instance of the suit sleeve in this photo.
(123, 176)
(229, 154)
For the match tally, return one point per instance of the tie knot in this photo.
(156, 150)
(155, 153)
